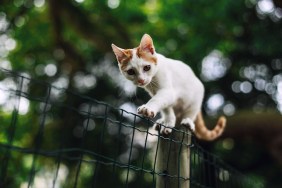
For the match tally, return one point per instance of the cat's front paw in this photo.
(165, 127)
(157, 126)
(146, 111)
(188, 123)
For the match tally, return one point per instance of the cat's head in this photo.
(138, 64)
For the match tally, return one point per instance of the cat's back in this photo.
(176, 68)
(181, 74)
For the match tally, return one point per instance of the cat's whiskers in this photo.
(154, 84)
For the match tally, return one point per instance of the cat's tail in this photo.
(202, 132)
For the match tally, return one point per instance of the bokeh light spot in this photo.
(214, 66)
(113, 4)
(215, 101)
(50, 70)
(265, 6)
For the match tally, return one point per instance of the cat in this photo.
(175, 90)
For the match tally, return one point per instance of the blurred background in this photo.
(235, 47)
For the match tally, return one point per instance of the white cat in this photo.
(175, 90)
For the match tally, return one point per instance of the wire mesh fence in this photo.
(53, 137)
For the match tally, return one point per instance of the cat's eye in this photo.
(130, 72)
(147, 68)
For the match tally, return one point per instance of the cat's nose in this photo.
(141, 81)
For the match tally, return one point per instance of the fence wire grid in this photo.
(53, 137)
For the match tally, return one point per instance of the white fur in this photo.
(175, 91)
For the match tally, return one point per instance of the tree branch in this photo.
(78, 62)
(92, 30)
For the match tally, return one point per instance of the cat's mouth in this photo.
(143, 84)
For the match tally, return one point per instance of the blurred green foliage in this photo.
(233, 46)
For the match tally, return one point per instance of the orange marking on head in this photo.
(123, 66)
(146, 56)
(125, 58)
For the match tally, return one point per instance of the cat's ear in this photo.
(146, 44)
(120, 53)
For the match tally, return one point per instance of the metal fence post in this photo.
(173, 159)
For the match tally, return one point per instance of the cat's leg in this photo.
(163, 99)
(189, 117)
(188, 122)
(159, 122)
(166, 122)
